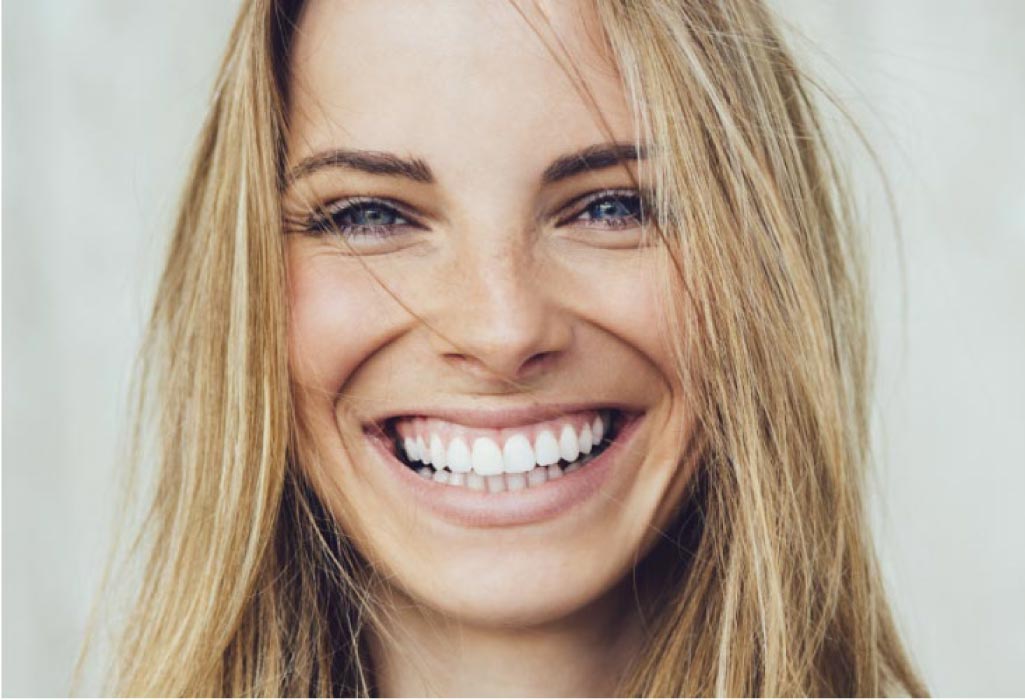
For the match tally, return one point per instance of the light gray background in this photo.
(102, 101)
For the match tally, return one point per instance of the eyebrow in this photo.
(592, 158)
(595, 157)
(373, 162)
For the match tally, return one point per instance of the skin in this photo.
(492, 300)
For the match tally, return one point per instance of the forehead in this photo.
(461, 83)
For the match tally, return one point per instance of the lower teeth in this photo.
(503, 482)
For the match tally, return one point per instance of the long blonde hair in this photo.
(249, 588)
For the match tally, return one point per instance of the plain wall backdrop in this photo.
(102, 100)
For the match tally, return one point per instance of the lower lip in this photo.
(469, 508)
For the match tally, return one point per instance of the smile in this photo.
(508, 467)
(496, 460)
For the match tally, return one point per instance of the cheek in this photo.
(638, 305)
(338, 316)
(626, 296)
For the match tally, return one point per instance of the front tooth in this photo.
(546, 448)
(437, 452)
(586, 439)
(458, 456)
(421, 447)
(496, 483)
(456, 479)
(518, 455)
(598, 430)
(569, 445)
(475, 481)
(441, 476)
(487, 458)
(412, 452)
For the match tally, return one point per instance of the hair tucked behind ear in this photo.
(249, 589)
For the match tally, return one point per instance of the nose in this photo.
(499, 319)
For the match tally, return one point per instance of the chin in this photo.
(522, 589)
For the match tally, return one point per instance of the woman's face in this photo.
(474, 303)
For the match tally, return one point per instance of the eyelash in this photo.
(328, 220)
(583, 204)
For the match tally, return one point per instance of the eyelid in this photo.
(579, 204)
(341, 204)
(319, 219)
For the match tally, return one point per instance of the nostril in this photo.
(536, 363)
(508, 346)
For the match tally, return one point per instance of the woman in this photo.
(510, 348)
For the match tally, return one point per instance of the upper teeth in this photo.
(489, 452)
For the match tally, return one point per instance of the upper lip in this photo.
(498, 418)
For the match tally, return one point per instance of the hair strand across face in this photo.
(771, 583)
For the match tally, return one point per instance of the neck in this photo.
(581, 655)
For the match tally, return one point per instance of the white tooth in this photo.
(437, 452)
(421, 447)
(537, 476)
(474, 481)
(546, 448)
(554, 472)
(518, 455)
(425, 472)
(496, 483)
(412, 453)
(572, 468)
(569, 446)
(441, 476)
(515, 482)
(598, 430)
(586, 439)
(487, 458)
(457, 479)
(458, 456)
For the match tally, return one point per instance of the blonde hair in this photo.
(248, 586)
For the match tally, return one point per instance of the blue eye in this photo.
(358, 217)
(613, 210)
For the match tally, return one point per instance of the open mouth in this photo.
(496, 460)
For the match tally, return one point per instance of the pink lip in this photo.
(468, 508)
(499, 418)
